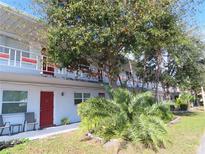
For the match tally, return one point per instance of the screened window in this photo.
(86, 96)
(14, 101)
(81, 97)
(101, 94)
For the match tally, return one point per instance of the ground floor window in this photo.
(14, 101)
(81, 97)
(101, 94)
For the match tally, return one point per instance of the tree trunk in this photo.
(168, 93)
(120, 81)
(164, 93)
(111, 78)
(157, 73)
(112, 81)
(144, 71)
(132, 76)
(196, 98)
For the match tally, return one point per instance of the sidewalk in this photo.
(201, 149)
(37, 134)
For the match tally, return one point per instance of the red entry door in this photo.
(46, 109)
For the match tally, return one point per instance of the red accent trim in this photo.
(29, 60)
(49, 71)
(4, 55)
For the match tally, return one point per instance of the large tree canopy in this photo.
(97, 33)
(102, 33)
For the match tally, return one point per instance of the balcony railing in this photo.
(26, 60)
(19, 58)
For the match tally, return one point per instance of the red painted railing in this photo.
(29, 60)
(18, 58)
(4, 55)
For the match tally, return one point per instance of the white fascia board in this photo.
(49, 81)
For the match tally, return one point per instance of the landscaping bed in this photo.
(184, 138)
(4, 145)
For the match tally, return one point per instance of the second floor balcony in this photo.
(26, 62)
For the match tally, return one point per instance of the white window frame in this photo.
(83, 98)
(17, 102)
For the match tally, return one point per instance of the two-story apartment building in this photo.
(28, 83)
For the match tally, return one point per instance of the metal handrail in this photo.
(19, 50)
(39, 65)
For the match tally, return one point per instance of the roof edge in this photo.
(19, 12)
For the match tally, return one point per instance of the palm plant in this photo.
(133, 117)
(184, 100)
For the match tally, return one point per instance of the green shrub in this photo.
(65, 121)
(183, 101)
(172, 107)
(134, 117)
(162, 111)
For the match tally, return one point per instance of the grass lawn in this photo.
(184, 136)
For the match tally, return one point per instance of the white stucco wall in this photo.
(63, 105)
(33, 104)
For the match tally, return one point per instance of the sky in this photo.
(23, 5)
(200, 19)
(27, 5)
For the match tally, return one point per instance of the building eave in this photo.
(49, 81)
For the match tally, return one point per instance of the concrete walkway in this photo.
(201, 149)
(32, 135)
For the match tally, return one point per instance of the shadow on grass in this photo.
(184, 113)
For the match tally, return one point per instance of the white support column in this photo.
(20, 59)
(15, 57)
(41, 64)
(9, 60)
(37, 62)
